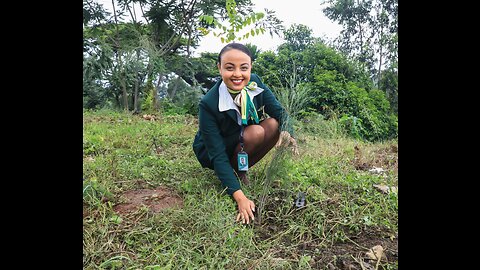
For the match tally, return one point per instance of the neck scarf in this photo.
(247, 108)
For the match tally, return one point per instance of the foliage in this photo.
(122, 53)
(368, 113)
(298, 37)
(337, 86)
(369, 35)
(149, 101)
(237, 22)
(315, 124)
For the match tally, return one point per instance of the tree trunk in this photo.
(125, 94)
(119, 63)
(379, 67)
(174, 90)
(157, 88)
(137, 79)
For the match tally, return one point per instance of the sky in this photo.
(307, 12)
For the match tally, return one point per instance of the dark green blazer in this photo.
(218, 133)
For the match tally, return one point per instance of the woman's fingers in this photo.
(279, 142)
(294, 146)
(246, 214)
(284, 137)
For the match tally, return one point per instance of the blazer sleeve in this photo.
(274, 108)
(215, 145)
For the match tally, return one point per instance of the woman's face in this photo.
(235, 68)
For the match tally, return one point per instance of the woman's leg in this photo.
(258, 141)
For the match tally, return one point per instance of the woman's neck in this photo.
(233, 92)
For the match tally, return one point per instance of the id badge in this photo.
(242, 160)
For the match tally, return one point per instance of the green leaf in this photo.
(260, 15)
(116, 219)
(207, 18)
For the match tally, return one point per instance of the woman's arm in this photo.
(216, 149)
(214, 143)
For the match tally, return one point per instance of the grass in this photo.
(344, 215)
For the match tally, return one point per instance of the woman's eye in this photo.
(229, 68)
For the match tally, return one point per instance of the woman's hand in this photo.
(246, 207)
(287, 139)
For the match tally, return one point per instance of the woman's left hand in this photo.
(287, 139)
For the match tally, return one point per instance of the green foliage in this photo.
(94, 192)
(181, 97)
(254, 50)
(365, 114)
(238, 22)
(168, 107)
(199, 71)
(148, 103)
(298, 37)
(315, 77)
(369, 35)
(389, 82)
(315, 124)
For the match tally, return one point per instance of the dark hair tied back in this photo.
(237, 46)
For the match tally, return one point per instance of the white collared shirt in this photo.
(225, 100)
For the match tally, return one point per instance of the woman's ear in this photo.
(218, 66)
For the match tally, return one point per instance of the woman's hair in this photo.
(236, 46)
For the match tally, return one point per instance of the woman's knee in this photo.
(270, 124)
(254, 134)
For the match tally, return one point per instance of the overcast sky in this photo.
(307, 12)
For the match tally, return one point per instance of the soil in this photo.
(386, 158)
(350, 253)
(340, 255)
(155, 199)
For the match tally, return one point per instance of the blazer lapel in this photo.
(233, 115)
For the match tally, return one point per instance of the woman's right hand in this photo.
(246, 207)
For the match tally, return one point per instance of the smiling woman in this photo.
(233, 127)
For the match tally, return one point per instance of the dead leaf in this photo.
(386, 189)
(376, 253)
(149, 117)
(376, 170)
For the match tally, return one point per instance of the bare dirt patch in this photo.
(386, 157)
(155, 199)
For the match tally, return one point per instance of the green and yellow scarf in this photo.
(247, 108)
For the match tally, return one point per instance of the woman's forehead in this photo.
(236, 56)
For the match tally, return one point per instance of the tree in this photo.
(298, 37)
(145, 50)
(370, 34)
(369, 28)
